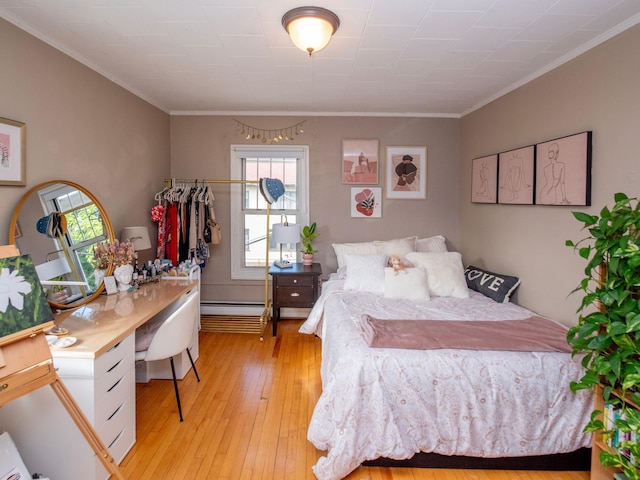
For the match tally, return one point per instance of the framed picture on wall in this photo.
(366, 202)
(12, 152)
(406, 172)
(484, 179)
(516, 176)
(563, 171)
(360, 161)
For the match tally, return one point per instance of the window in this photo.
(85, 228)
(249, 208)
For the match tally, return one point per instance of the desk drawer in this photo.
(109, 359)
(118, 434)
(294, 296)
(295, 281)
(108, 404)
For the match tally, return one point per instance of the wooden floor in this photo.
(248, 417)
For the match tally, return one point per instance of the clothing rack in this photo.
(266, 313)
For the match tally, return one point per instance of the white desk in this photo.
(100, 374)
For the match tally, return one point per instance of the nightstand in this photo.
(296, 286)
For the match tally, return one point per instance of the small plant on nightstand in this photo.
(307, 237)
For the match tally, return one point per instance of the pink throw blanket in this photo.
(533, 334)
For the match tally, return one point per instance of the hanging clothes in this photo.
(186, 223)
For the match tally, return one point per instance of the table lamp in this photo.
(285, 233)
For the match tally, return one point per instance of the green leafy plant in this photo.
(307, 236)
(608, 326)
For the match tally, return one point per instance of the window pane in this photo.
(255, 247)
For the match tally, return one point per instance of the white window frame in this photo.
(238, 270)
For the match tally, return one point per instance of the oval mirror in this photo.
(59, 223)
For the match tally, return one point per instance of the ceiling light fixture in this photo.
(310, 28)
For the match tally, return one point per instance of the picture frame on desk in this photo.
(110, 285)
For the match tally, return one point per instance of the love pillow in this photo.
(493, 285)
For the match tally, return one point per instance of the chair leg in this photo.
(193, 365)
(175, 387)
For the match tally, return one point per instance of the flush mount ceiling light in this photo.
(310, 28)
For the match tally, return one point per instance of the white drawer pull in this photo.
(295, 294)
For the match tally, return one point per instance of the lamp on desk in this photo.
(139, 238)
(285, 232)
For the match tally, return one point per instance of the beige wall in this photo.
(200, 148)
(597, 91)
(80, 127)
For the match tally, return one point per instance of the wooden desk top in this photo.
(101, 324)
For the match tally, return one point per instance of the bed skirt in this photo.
(579, 461)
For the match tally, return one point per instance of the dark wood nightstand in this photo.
(296, 286)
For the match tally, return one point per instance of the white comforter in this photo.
(394, 402)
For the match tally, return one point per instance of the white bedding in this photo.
(394, 402)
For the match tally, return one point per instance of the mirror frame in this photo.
(107, 223)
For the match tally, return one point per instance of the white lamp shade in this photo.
(286, 233)
(310, 34)
(138, 236)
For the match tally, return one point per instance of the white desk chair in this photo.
(160, 339)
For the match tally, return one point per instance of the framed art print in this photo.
(563, 171)
(360, 161)
(515, 176)
(484, 179)
(366, 202)
(12, 152)
(406, 172)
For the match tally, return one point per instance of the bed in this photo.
(391, 402)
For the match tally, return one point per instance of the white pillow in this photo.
(343, 249)
(398, 246)
(435, 244)
(445, 273)
(365, 272)
(410, 283)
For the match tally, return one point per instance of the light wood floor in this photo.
(248, 417)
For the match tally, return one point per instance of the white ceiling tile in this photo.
(486, 38)
(427, 49)
(386, 37)
(375, 58)
(446, 25)
(234, 20)
(245, 45)
(549, 28)
(510, 14)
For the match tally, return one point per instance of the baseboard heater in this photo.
(211, 307)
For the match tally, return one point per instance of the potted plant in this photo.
(308, 235)
(608, 329)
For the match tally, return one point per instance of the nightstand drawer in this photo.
(294, 295)
(295, 281)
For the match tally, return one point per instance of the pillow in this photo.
(398, 246)
(445, 273)
(365, 272)
(494, 285)
(343, 249)
(410, 283)
(436, 244)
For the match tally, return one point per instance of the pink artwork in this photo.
(365, 202)
(563, 171)
(484, 179)
(359, 161)
(515, 176)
